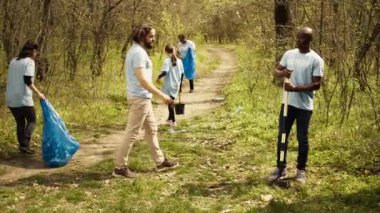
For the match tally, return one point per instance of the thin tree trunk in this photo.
(321, 26)
(42, 63)
(45, 30)
(361, 54)
(378, 64)
(10, 46)
(283, 27)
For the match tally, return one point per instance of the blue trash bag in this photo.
(58, 146)
(189, 64)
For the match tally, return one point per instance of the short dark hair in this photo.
(27, 49)
(140, 32)
(181, 36)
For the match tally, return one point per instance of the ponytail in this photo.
(173, 54)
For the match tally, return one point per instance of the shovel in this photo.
(278, 180)
(180, 107)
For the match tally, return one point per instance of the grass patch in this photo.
(89, 108)
(212, 177)
(225, 157)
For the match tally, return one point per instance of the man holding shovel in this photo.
(304, 69)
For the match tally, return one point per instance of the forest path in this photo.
(207, 96)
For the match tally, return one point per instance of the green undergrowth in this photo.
(90, 108)
(225, 157)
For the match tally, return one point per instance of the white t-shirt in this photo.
(137, 57)
(183, 48)
(304, 66)
(173, 77)
(17, 93)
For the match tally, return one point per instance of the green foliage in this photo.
(169, 27)
(225, 157)
(226, 154)
(89, 108)
(358, 136)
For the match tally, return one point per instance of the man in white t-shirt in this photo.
(139, 71)
(183, 48)
(304, 67)
(19, 94)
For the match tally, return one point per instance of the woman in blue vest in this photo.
(186, 50)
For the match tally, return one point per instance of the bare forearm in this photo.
(163, 74)
(278, 73)
(150, 87)
(311, 87)
(34, 88)
(281, 72)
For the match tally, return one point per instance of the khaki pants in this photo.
(140, 115)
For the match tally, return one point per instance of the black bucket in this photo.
(179, 108)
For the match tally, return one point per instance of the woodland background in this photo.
(80, 69)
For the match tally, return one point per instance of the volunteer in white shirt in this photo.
(183, 47)
(19, 94)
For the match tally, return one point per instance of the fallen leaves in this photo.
(266, 198)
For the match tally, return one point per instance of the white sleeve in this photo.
(318, 67)
(180, 66)
(166, 65)
(192, 45)
(284, 59)
(138, 60)
(30, 68)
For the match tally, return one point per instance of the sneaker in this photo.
(275, 174)
(166, 165)
(173, 124)
(168, 122)
(171, 130)
(123, 172)
(26, 150)
(301, 176)
(191, 91)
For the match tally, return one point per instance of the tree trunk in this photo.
(45, 29)
(10, 40)
(101, 35)
(361, 54)
(378, 63)
(283, 25)
(42, 65)
(321, 26)
(72, 54)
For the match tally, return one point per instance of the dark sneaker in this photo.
(166, 165)
(123, 172)
(274, 175)
(26, 150)
(301, 176)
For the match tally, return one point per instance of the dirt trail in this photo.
(207, 96)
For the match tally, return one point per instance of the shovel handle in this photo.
(180, 89)
(286, 94)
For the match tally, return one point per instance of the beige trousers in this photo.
(140, 115)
